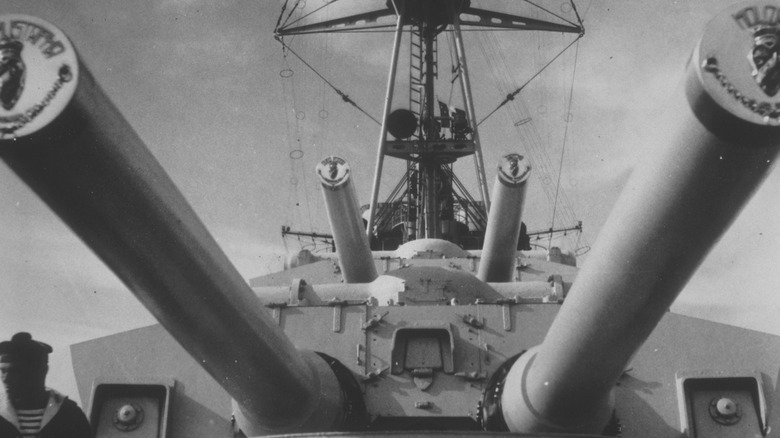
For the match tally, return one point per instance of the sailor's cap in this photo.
(22, 348)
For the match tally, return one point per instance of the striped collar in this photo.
(53, 406)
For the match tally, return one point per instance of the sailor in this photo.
(29, 409)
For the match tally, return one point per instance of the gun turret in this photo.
(442, 343)
(722, 137)
(349, 236)
(503, 228)
(69, 143)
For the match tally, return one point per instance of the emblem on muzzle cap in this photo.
(333, 172)
(11, 72)
(513, 169)
(38, 74)
(738, 64)
(763, 59)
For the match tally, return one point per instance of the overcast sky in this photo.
(200, 82)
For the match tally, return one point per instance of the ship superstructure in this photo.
(429, 200)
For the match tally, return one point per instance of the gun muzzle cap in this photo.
(513, 169)
(38, 74)
(333, 172)
(733, 81)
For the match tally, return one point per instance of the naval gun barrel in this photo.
(722, 137)
(69, 143)
(499, 252)
(349, 236)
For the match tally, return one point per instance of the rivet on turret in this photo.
(726, 407)
(725, 410)
(128, 417)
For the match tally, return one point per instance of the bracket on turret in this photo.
(721, 404)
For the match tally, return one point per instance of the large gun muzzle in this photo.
(499, 252)
(62, 136)
(349, 236)
(721, 139)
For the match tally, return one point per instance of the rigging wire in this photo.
(529, 134)
(530, 137)
(343, 96)
(324, 104)
(314, 11)
(455, 70)
(576, 12)
(565, 136)
(281, 13)
(294, 143)
(288, 128)
(556, 15)
(587, 9)
(348, 100)
(511, 96)
(558, 197)
(543, 161)
(297, 3)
